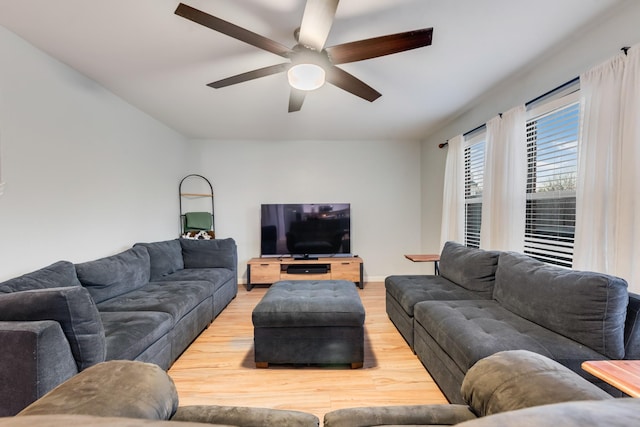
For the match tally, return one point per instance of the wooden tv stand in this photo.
(270, 270)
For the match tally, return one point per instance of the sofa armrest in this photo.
(632, 328)
(244, 416)
(35, 358)
(117, 388)
(72, 307)
(436, 414)
(516, 379)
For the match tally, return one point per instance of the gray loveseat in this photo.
(147, 303)
(484, 302)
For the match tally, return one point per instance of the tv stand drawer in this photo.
(346, 270)
(266, 272)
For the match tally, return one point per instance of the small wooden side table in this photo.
(434, 258)
(622, 374)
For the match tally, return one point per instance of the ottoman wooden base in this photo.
(309, 322)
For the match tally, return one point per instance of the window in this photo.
(552, 144)
(473, 184)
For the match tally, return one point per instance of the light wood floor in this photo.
(218, 368)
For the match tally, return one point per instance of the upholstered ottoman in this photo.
(309, 322)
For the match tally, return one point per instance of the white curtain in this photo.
(1, 182)
(505, 180)
(607, 235)
(453, 219)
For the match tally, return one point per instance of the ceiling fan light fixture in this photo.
(306, 76)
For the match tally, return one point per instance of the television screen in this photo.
(305, 230)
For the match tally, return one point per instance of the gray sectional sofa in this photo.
(484, 302)
(147, 303)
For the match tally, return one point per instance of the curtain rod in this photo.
(624, 49)
(570, 82)
(444, 144)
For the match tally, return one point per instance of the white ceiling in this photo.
(160, 62)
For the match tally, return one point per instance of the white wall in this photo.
(432, 176)
(595, 44)
(86, 174)
(381, 180)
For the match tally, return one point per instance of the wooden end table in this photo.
(434, 258)
(622, 374)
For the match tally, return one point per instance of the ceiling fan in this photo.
(310, 63)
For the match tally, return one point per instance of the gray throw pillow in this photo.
(165, 257)
(56, 275)
(115, 275)
(72, 307)
(472, 268)
(218, 253)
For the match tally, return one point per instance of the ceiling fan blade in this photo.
(250, 75)
(316, 22)
(348, 82)
(379, 46)
(231, 30)
(296, 98)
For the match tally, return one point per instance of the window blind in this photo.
(473, 185)
(552, 143)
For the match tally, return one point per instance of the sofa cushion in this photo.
(174, 298)
(209, 253)
(471, 268)
(472, 330)
(92, 421)
(587, 307)
(511, 380)
(398, 415)
(129, 333)
(409, 290)
(72, 307)
(115, 275)
(56, 275)
(165, 257)
(244, 416)
(216, 276)
(309, 303)
(118, 388)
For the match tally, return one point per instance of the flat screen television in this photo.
(305, 230)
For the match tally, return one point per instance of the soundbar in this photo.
(307, 269)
